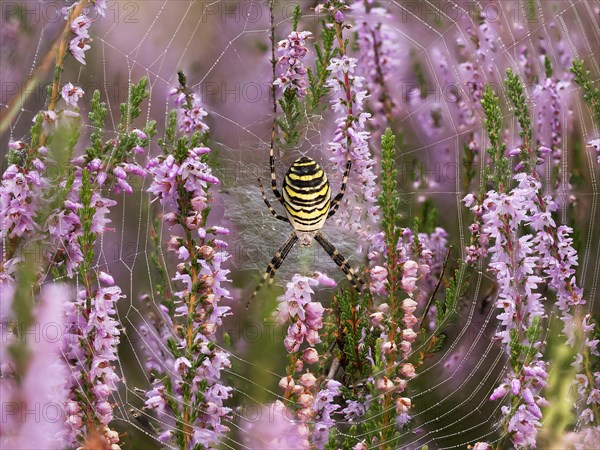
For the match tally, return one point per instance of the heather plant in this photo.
(183, 358)
(453, 146)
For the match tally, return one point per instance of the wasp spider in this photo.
(307, 201)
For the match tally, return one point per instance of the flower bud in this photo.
(389, 348)
(308, 380)
(403, 405)
(312, 337)
(385, 384)
(206, 252)
(106, 279)
(182, 364)
(305, 400)
(409, 305)
(408, 370)
(287, 383)
(377, 318)
(410, 268)
(409, 335)
(405, 347)
(199, 203)
(305, 415)
(310, 356)
(170, 219)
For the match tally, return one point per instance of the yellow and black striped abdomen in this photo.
(306, 195)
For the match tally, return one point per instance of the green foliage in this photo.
(499, 173)
(88, 237)
(530, 157)
(317, 78)
(296, 17)
(547, 66)
(522, 350)
(454, 292)
(349, 312)
(428, 216)
(36, 130)
(117, 150)
(162, 284)
(97, 116)
(591, 92)
(517, 96)
(131, 110)
(292, 115)
(389, 200)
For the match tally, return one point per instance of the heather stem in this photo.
(274, 72)
(62, 50)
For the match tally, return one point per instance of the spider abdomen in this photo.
(306, 195)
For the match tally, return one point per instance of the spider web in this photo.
(219, 44)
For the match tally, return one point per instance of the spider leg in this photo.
(275, 263)
(357, 282)
(273, 176)
(264, 197)
(335, 204)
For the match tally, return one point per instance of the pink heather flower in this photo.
(78, 46)
(164, 172)
(351, 142)
(377, 318)
(595, 144)
(409, 305)
(410, 269)
(482, 446)
(409, 284)
(403, 405)
(182, 365)
(50, 120)
(19, 199)
(71, 94)
(101, 330)
(310, 356)
(294, 74)
(341, 66)
(384, 384)
(191, 118)
(199, 151)
(308, 380)
(194, 178)
(106, 279)
(99, 6)
(324, 280)
(314, 315)
(220, 231)
(409, 335)
(378, 280)
(80, 26)
(408, 370)
(499, 392)
(287, 383)
(389, 347)
(155, 398)
(323, 407)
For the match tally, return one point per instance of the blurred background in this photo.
(223, 48)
